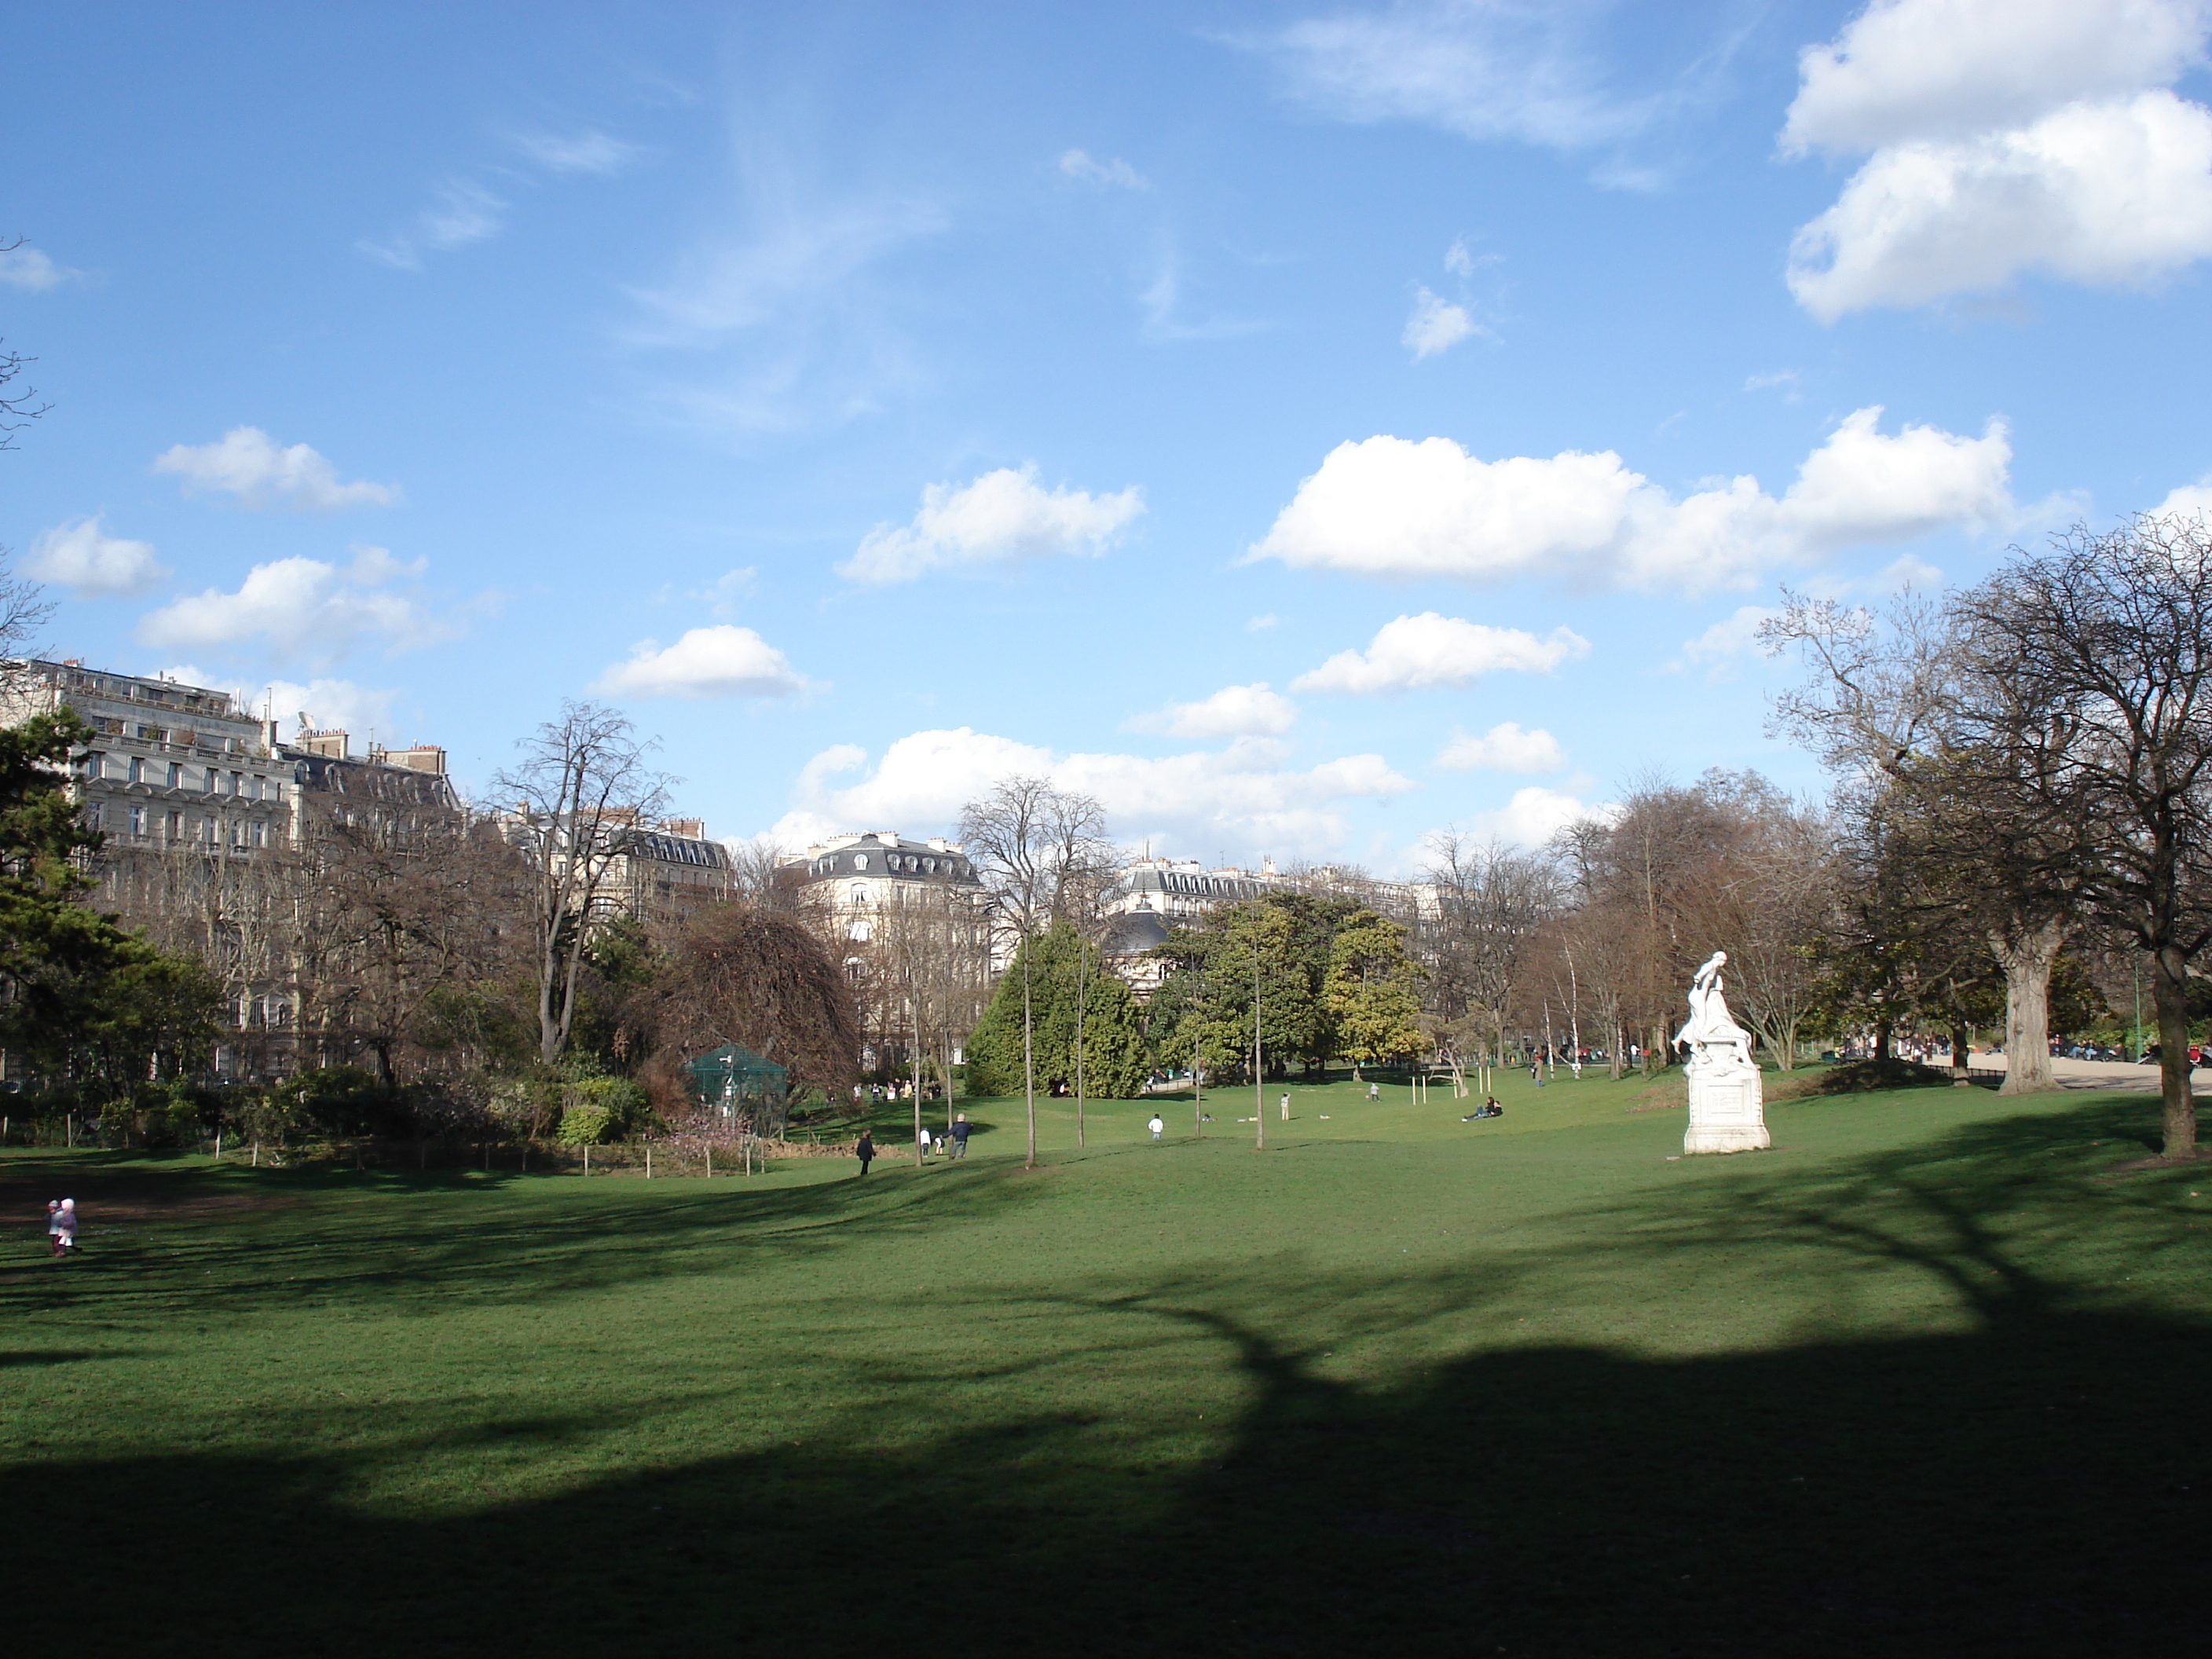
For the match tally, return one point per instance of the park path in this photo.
(2095, 1073)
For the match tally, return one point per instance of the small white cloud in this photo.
(29, 269)
(247, 463)
(588, 151)
(2187, 501)
(1504, 748)
(360, 711)
(721, 595)
(1723, 645)
(1910, 571)
(722, 661)
(1435, 325)
(1235, 711)
(1003, 515)
(1259, 624)
(1116, 174)
(91, 564)
(1785, 378)
(1415, 653)
(1458, 260)
(303, 608)
(1532, 817)
(461, 211)
(1388, 507)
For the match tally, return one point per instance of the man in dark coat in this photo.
(864, 1150)
(960, 1127)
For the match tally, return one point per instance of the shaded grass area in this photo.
(1924, 1379)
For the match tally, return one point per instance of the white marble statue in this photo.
(1727, 1105)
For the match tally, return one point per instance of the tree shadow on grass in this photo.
(2029, 1485)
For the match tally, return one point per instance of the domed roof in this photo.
(1133, 933)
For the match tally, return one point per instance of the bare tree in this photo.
(1896, 708)
(1044, 853)
(2092, 714)
(1491, 900)
(582, 780)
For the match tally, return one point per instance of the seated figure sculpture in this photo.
(1727, 1111)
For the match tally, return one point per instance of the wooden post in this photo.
(218, 1146)
(587, 1158)
(257, 1154)
(710, 1161)
(649, 1160)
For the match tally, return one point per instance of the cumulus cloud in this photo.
(1504, 748)
(360, 711)
(1390, 507)
(2003, 137)
(2189, 500)
(1234, 711)
(721, 661)
(303, 608)
(1414, 652)
(1116, 174)
(1245, 795)
(1002, 515)
(32, 271)
(247, 463)
(1532, 817)
(1435, 325)
(92, 564)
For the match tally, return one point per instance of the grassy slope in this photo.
(1924, 1378)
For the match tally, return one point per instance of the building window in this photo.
(859, 896)
(207, 830)
(176, 778)
(137, 820)
(859, 860)
(858, 932)
(92, 765)
(176, 825)
(237, 785)
(137, 770)
(207, 781)
(259, 833)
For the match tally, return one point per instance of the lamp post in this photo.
(1259, 1087)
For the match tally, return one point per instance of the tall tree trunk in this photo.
(1962, 1042)
(1881, 1029)
(2026, 952)
(2169, 985)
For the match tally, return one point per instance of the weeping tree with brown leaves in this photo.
(761, 979)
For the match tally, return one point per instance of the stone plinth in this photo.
(1727, 1109)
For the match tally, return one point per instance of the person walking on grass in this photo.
(864, 1150)
(1286, 1108)
(53, 1226)
(960, 1135)
(65, 1227)
(922, 1142)
(1158, 1126)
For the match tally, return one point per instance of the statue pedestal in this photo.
(1727, 1109)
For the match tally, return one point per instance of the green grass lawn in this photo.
(1928, 1378)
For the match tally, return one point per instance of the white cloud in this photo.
(721, 595)
(247, 463)
(1458, 260)
(2006, 137)
(1504, 748)
(1785, 378)
(587, 151)
(2189, 500)
(1532, 817)
(91, 564)
(1234, 711)
(1905, 69)
(1909, 571)
(1487, 71)
(1718, 648)
(1260, 623)
(1414, 652)
(1435, 324)
(721, 661)
(1389, 506)
(461, 211)
(29, 269)
(360, 711)
(1245, 795)
(1116, 174)
(302, 608)
(1002, 515)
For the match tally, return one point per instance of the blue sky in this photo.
(1305, 427)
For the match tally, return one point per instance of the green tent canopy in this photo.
(731, 1076)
